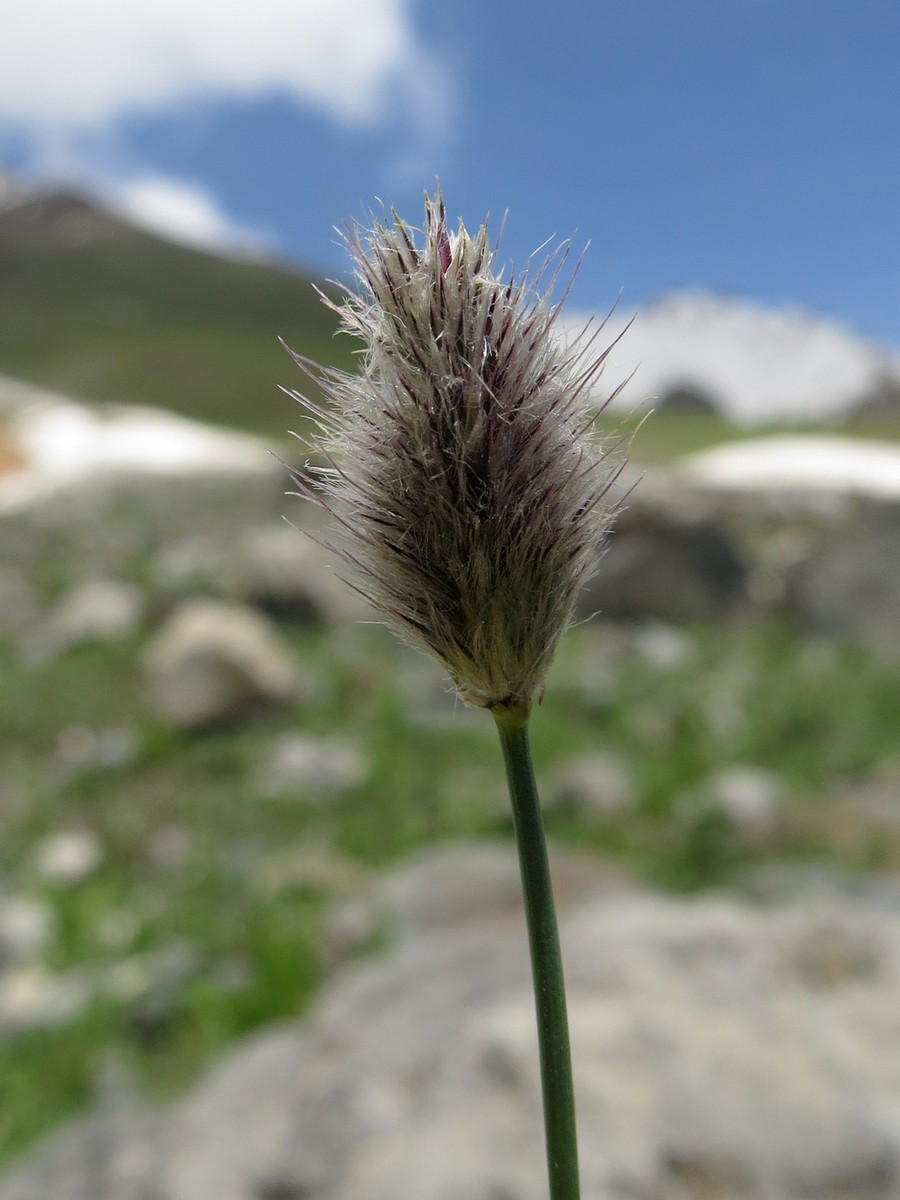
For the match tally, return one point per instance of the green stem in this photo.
(546, 962)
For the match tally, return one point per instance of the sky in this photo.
(751, 147)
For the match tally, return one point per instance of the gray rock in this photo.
(849, 585)
(99, 609)
(84, 749)
(214, 662)
(149, 975)
(350, 925)
(32, 997)
(306, 867)
(721, 1049)
(667, 560)
(664, 646)
(195, 565)
(750, 797)
(449, 887)
(299, 766)
(589, 678)
(27, 927)
(431, 699)
(688, 549)
(170, 848)
(68, 857)
(600, 784)
(284, 571)
(108, 1157)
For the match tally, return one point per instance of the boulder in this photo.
(664, 647)
(669, 564)
(721, 1049)
(213, 662)
(95, 610)
(83, 749)
(284, 571)
(818, 519)
(849, 585)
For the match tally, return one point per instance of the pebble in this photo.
(27, 926)
(600, 784)
(156, 972)
(663, 646)
(750, 797)
(68, 857)
(300, 765)
(109, 749)
(31, 997)
(306, 868)
(98, 610)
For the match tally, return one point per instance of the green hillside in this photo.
(98, 309)
(95, 308)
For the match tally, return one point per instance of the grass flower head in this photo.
(459, 463)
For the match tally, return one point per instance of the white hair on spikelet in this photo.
(467, 487)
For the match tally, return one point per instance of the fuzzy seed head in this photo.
(459, 465)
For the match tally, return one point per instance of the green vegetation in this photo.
(100, 310)
(97, 309)
(196, 855)
(658, 438)
(204, 868)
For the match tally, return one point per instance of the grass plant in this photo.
(190, 838)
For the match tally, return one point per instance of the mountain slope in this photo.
(97, 308)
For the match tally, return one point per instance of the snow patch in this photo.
(798, 462)
(61, 443)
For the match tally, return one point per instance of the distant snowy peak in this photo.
(754, 364)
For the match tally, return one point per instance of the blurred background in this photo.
(212, 763)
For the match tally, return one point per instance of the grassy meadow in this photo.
(197, 857)
(209, 912)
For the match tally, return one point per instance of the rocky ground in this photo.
(803, 527)
(725, 1047)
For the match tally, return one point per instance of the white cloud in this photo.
(84, 64)
(185, 212)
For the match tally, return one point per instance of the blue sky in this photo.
(749, 146)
